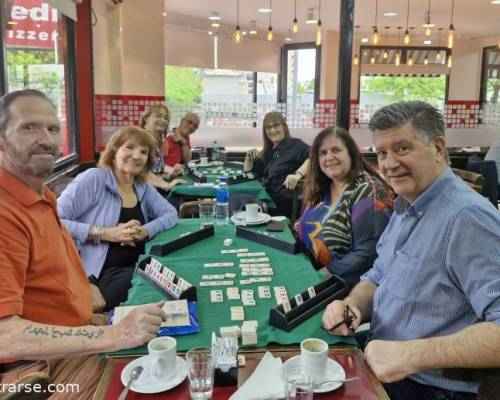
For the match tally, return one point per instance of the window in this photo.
(301, 74)
(490, 79)
(38, 40)
(221, 97)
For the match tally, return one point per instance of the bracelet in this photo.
(95, 233)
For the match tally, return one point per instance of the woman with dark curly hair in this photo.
(347, 206)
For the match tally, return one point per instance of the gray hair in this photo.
(7, 100)
(425, 119)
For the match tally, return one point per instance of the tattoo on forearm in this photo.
(56, 333)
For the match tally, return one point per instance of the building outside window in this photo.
(36, 51)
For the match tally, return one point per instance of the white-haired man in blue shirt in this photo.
(433, 294)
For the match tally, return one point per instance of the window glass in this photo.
(379, 91)
(36, 52)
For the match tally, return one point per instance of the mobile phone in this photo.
(275, 226)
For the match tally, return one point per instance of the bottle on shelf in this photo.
(222, 203)
(215, 151)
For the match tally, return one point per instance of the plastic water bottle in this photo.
(222, 203)
(215, 151)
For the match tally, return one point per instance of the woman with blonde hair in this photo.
(111, 211)
(281, 163)
(347, 206)
(156, 120)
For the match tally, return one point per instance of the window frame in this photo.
(484, 67)
(282, 92)
(70, 77)
(403, 50)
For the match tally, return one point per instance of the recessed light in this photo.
(210, 33)
(264, 10)
(214, 17)
(390, 14)
(244, 33)
(365, 40)
(495, 1)
(164, 14)
(215, 24)
(288, 39)
(427, 41)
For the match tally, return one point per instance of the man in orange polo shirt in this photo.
(45, 298)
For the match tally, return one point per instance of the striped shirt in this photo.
(438, 269)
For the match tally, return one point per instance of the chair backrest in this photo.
(189, 209)
(298, 194)
(475, 181)
(488, 169)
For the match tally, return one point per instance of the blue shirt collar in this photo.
(423, 202)
(112, 184)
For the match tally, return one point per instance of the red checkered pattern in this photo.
(462, 114)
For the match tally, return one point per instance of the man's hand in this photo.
(140, 326)
(98, 302)
(335, 312)
(390, 361)
(178, 169)
(291, 181)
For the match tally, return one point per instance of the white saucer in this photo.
(334, 371)
(240, 218)
(146, 383)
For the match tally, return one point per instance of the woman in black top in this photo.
(281, 163)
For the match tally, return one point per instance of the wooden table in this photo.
(351, 359)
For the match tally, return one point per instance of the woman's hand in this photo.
(178, 169)
(176, 181)
(291, 181)
(142, 234)
(122, 233)
(252, 154)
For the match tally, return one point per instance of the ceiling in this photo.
(472, 19)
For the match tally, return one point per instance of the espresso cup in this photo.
(314, 355)
(252, 212)
(162, 352)
(204, 161)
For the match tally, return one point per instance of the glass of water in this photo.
(206, 212)
(298, 385)
(200, 373)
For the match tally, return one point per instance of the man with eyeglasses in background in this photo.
(178, 146)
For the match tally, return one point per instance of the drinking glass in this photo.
(298, 385)
(206, 213)
(200, 373)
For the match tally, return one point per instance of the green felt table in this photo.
(292, 271)
(192, 189)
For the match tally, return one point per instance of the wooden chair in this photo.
(189, 209)
(475, 181)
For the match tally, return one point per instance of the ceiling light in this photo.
(210, 33)
(365, 40)
(450, 62)
(495, 1)
(164, 14)
(237, 36)
(451, 30)
(427, 41)
(318, 27)
(270, 29)
(214, 17)
(264, 10)
(426, 60)
(406, 39)
(375, 36)
(295, 24)
(390, 14)
(310, 17)
(215, 24)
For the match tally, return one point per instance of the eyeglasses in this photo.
(349, 318)
(273, 126)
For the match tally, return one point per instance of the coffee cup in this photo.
(162, 353)
(203, 161)
(314, 355)
(252, 212)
